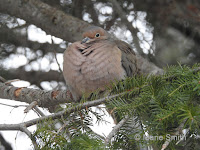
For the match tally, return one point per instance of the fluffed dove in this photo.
(96, 61)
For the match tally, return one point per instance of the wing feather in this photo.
(129, 61)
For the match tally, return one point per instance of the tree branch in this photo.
(34, 77)
(58, 114)
(51, 20)
(5, 144)
(44, 98)
(178, 131)
(116, 129)
(54, 22)
(11, 37)
(28, 133)
(129, 25)
(23, 126)
(20, 127)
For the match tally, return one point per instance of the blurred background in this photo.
(164, 32)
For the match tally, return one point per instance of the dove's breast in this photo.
(94, 68)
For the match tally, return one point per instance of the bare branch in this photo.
(28, 133)
(30, 106)
(2, 79)
(58, 114)
(34, 107)
(178, 131)
(133, 30)
(14, 106)
(5, 144)
(39, 111)
(23, 126)
(50, 19)
(34, 77)
(44, 98)
(116, 129)
(9, 36)
(20, 127)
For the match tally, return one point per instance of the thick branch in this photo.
(34, 77)
(17, 39)
(51, 98)
(44, 98)
(51, 20)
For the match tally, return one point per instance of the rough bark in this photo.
(51, 20)
(43, 98)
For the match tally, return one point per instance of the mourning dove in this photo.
(96, 61)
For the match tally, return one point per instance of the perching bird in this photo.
(96, 61)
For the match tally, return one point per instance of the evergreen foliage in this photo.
(163, 105)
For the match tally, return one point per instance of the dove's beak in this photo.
(85, 40)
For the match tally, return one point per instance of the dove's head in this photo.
(94, 33)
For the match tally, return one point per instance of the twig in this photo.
(30, 106)
(28, 133)
(2, 79)
(20, 127)
(39, 111)
(55, 55)
(23, 126)
(58, 114)
(178, 130)
(133, 30)
(183, 137)
(116, 129)
(10, 81)
(14, 106)
(57, 62)
(34, 107)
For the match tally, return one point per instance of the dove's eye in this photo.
(97, 35)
